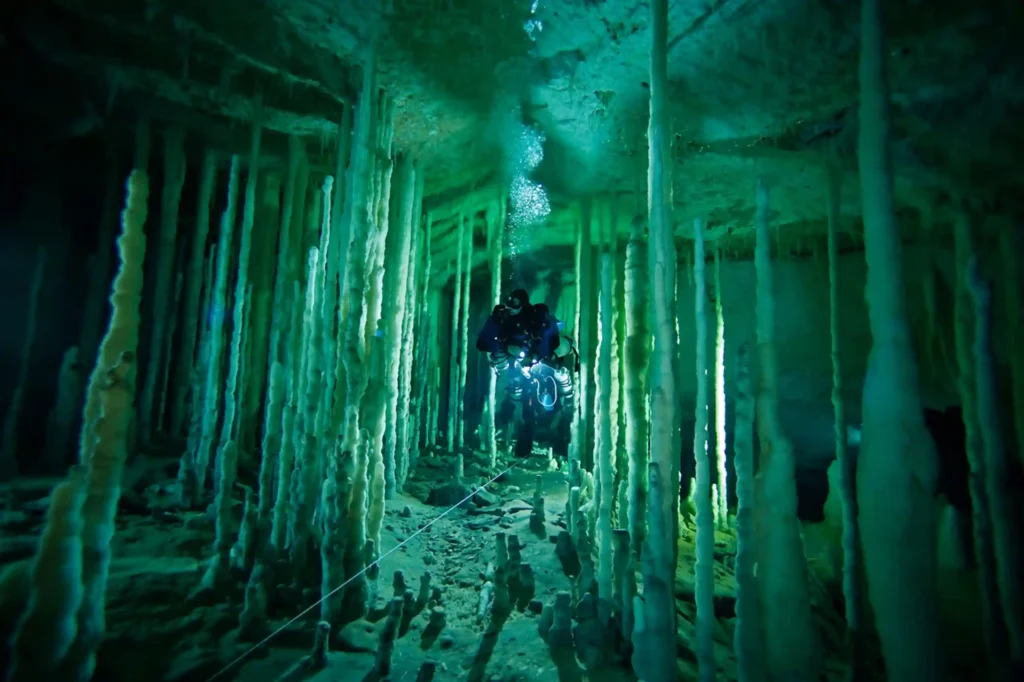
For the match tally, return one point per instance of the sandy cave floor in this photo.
(155, 632)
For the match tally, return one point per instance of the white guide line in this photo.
(342, 586)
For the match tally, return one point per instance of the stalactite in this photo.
(467, 279)
(896, 466)
(453, 366)
(704, 574)
(605, 457)
(722, 487)
(654, 657)
(163, 279)
(637, 353)
(190, 322)
(791, 652)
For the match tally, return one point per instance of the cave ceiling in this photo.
(758, 88)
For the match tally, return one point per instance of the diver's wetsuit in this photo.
(534, 329)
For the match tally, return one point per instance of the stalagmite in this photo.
(655, 637)
(848, 469)
(637, 353)
(1010, 247)
(94, 315)
(495, 246)
(47, 628)
(397, 273)
(581, 447)
(981, 513)
(704, 569)
(453, 366)
(191, 325)
(172, 330)
(159, 339)
(896, 466)
(309, 472)
(792, 648)
(747, 642)
(999, 474)
(62, 416)
(264, 256)
(212, 391)
(604, 459)
(407, 418)
(358, 207)
(426, 327)
(722, 477)
(337, 492)
(104, 435)
(12, 420)
(467, 279)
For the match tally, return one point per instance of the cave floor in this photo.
(157, 632)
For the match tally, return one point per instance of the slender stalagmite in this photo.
(207, 441)
(104, 436)
(1011, 245)
(12, 420)
(655, 640)
(355, 355)
(453, 363)
(896, 466)
(984, 552)
(637, 353)
(406, 426)
(94, 315)
(747, 641)
(398, 261)
(427, 328)
(1005, 509)
(722, 496)
(605, 457)
(704, 570)
(848, 470)
(190, 322)
(163, 279)
(791, 652)
(467, 278)
(495, 244)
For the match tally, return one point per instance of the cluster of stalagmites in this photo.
(602, 635)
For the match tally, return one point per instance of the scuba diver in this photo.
(525, 338)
